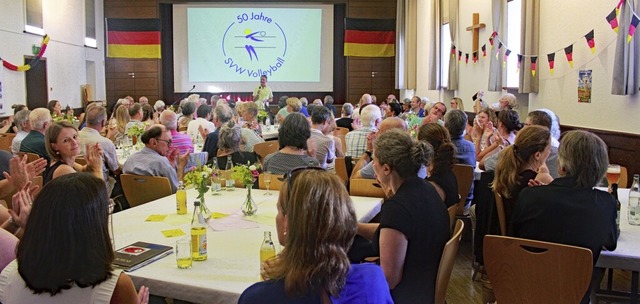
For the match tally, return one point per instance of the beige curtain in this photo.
(626, 77)
(498, 10)
(406, 42)
(434, 52)
(453, 29)
(529, 45)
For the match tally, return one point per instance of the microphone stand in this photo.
(184, 95)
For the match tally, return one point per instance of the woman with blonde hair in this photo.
(440, 169)
(316, 224)
(503, 135)
(519, 163)
(456, 103)
(116, 131)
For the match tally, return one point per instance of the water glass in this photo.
(183, 253)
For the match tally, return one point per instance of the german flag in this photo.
(370, 37)
(133, 38)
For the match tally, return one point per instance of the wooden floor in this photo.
(462, 290)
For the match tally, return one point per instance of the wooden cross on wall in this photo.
(475, 27)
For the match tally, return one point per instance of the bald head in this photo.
(365, 99)
(169, 120)
(392, 123)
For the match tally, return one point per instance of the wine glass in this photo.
(613, 174)
(267, 181)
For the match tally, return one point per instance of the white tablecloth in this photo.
(269, 132)
(233, 256)
(627, 253)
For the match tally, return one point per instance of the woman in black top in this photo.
(229, 146)
(440, 174)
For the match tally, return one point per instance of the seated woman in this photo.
(249, 111)
(440, 169)
(483, 128)
(292, 137)
(313, 266)
(293, 105)
(149, 115)
(72, 264)
(456, 103)
(569, 210)
(229, 146)
(414, 224)
(519, 163)
(503, 135)
(393, 110)
(55, 108)
(117, 126)
(63, 145)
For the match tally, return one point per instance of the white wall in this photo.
(66, 54)
(561, 24)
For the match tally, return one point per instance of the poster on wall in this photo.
(584, 86)
(2, 111)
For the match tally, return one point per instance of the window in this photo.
(513, 42)
(445, 54)
(33, 17)
(90, 23)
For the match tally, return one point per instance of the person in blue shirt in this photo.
(316, 224)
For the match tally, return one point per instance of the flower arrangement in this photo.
(199, 177)
(136, 130)
(70, 118)
(262, 115)
(248, 174)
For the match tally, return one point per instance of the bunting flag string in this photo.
(33, 62)
(551, 59)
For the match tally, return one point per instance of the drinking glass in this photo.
(267, 181)
(613, 174)
(183, 253)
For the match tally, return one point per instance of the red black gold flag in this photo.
(506, 56)
(519, 61)
(569, 52)
(466, 58)
(632, 27)
(370, 37)
(533, 65)
(612, 18)
(453, 51)
(591, 41)
(459, 55)
(484, 50)
(133, 38)
(618, 7)
(475, 57)
(491, 42)
(499, 47)
(551, 57)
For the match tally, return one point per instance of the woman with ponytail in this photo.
(414, 213)
(440, 174)
(519, 163)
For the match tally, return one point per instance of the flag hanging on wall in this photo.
(370, 37)
(133, 38)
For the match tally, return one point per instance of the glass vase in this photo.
(203, 206)
(249, 207)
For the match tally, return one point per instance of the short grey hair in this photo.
(189, 108)
(304, 101)
(38, 117)
(223, 113)
(95, 115)
(169, 119)
(328, 100)
(456, 122)
(583, 155)
(21, 117)
(347, 108)
(230, 136)
(369, 115)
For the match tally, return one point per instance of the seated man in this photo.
(203, 120)
(157, 158)
(21, 120)
(356, 140)
(323, 147)
(40, 119)
(221, 115)
(90, 135)
(183, 142)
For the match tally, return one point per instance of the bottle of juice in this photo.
(198, 234)
(267, 250)
(181, 199)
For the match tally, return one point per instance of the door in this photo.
(36, 84)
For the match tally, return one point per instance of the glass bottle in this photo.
(198, 234)
(231, 184)
(614, 192)
(181, 199)
(215, 177)
(267, 250)
(634, 198)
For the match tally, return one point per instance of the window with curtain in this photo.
(445, 52)
(33, 17)
(90, 23)
(514, 26)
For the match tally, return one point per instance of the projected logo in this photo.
(254, 45)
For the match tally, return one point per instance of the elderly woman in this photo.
(292, 137)
(55, 108)
(503, 135)
(249, 113)
(293, 105)
(440, 169)
(414, 224)
(188, 109)
(229, 146)
(63, 146)
(506, 102)
(313, 266)
(393, 110)
(569, 210)
(345, 120)
(73, 263)
(519, 163)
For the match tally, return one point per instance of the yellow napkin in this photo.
(173, 233)
(156, 218)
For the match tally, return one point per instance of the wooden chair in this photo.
(276, 184)
(140, 189)
(5, 141)
(30, 156)
(365, 187)
(265, 148)
(36, 181)
(464, 176)
(528, 271)
(624, 178)
(343, 141)
(500, 210)
(446, 263)
(341, 169)
(340, 131)
(452, 215)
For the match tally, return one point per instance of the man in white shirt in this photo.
(21, 120)
(203, 120)
(90, 135)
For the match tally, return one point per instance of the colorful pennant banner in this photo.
(32, 62)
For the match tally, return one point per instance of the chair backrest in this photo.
(341, 169)
(275, 185)
(623, 180)
(36, 181)
(140, 189)
(365, 187)
(5, 141)
(30, 156)
(500, 210)
(265, 148)
(340, 131)
(528, 271)
(464, 176)
(452, 215)
(446, 263)
(343, 141)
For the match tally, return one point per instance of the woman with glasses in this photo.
(414, 224)
(292, 137)
(63, 146)
(66, 254)
(316, 224)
